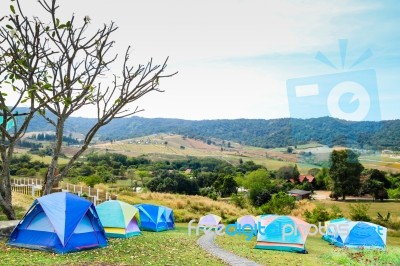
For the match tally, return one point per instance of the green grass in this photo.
(319, 253)
(173, 247)
(375, 207)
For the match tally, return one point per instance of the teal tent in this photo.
(119, 219)
(9, 124)
(332, 228)
(284, 233)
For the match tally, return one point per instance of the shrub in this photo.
(336, 212)
(318, 214)
(209, 192)
(394, 193)
(280, 203)
(239, 200)
(93, 180)
(358, 212)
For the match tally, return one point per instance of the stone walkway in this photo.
(206, 241)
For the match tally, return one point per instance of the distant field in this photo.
(175, 147)
(375, 206)
(35, 157)
(172, 147)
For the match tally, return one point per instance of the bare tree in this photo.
(75, 64)
(22, 76)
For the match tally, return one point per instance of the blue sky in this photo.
(235, 56)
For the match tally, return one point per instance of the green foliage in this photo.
(209, 192)
(288, 172)
(345, 172)
(173, 182)
(254, 132)
(260, 186)
(280, 203)
(394, 193)
(256, 179)
(321, 214)
(336, 212)
(377, 189)
(358, 212)
(92, 180)
(322, 179)
(239, 200)
(318, 214)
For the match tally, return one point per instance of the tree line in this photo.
(216, 178)
(254, 132)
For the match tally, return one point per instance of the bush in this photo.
(394, 193)
(92, 180)
(336, 212)
(209, 192)
(318, 214)
(358, 212)
(23, 172)
(321, 214)
(280, 203)
(239, 200)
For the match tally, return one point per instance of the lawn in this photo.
(176, 247)
(173, 247)
(375, 206)
(319, 253)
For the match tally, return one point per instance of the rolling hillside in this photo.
(254, 132)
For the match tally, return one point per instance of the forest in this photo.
(382, 135)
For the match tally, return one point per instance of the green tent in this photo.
(119, 219)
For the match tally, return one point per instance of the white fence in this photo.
(33, 187)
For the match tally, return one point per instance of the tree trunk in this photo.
(51, 175)
(5, 184)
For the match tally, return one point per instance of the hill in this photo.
(253, 132)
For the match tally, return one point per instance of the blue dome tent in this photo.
(360, 235)
(170, 218)
(154, 217)
(333, 227)
(60, 222)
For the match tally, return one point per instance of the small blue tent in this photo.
(359, 235)
(170, 218)
(155, 218)
(333, 227)
(60, 222)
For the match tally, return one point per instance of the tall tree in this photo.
(22, 77)
(73, 62)
(345, 172)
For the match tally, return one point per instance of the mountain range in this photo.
(255, 132)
